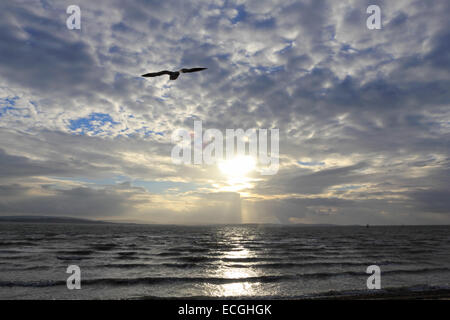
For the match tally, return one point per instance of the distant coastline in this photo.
(48, 219)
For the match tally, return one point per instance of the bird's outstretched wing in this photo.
(192, 70)
(156, 74)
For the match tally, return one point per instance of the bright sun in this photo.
(237, 167)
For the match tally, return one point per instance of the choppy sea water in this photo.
(142, 261)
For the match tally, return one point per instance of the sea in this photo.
(127, 261)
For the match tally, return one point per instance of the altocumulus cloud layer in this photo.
(363, 114)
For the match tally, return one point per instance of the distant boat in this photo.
(367, 226)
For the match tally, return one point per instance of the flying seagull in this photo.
(173, 74)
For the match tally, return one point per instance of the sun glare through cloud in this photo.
(236, 171)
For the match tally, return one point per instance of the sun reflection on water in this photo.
(240, 287)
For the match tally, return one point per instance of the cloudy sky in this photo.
(363, 115)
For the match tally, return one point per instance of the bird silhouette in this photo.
(173, 75)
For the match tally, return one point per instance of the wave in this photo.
(189, 249)
(70, 258)
(32, 268)
(195, 259)
(10, 251)
(416, 291)
(104, 246)
(127, 253)
(408, 292)
(218, 259)
(211, 280)
(17, 243)
(75, 252)
(423, 270)
(169, 254)
(152, 265)
(15, 257)
(282, 265)
(279, 262)
(144, 280)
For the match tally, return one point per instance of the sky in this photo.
(363, 115)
